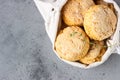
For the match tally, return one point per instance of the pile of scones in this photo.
(86, 25)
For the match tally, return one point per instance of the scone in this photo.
(74, 10)
(94, 51)
(72, 43)
(99, 22)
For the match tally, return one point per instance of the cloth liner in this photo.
(51, 14)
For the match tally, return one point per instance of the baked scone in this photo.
(74, 10)
(72, 43)
(94, 51)
(99, 22)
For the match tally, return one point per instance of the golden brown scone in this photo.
(99, 22)
(74, 10)
(93, 53)
(72, 43)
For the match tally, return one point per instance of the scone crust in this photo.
(72, 43)
(74, 10)
(99, 22)
(93, 53)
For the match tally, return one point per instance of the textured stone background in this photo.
(26, 53)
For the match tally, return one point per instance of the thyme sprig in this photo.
(72, 34)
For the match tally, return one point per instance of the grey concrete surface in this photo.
(26, 53)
